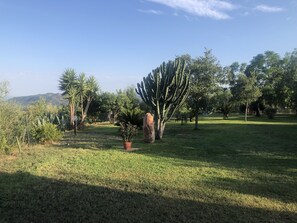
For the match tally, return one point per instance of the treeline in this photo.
(267, 84)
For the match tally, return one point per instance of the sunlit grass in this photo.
(228, 171)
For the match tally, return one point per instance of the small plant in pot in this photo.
(127, 131)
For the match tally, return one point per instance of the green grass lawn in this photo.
(228, 171)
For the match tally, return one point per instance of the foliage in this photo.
(4, 85)
(11, 124)
(88, 89)
(44, 131)
(291, 78)
(4, 147)
(165, 90)
(133, 116)
(183, 114)
(246, 91)
(79, 91)
(224, 102)
(127, 131)
(109, 106)
(270, 112)
(68, 83)
(205, 76)
(19, 125)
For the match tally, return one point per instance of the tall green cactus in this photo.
(165, 90)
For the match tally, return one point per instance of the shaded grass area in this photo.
(228, 171)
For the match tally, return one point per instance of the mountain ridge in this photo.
(52, 98)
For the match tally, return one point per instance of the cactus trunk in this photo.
(160, 129)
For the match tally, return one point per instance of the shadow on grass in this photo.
(284, 191)
(91, 137)
(271, 147)
(28, 198)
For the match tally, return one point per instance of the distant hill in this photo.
(54, 99)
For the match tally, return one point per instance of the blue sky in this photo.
(119, 42)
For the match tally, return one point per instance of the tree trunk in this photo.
(196, 120)
(246, 111)
(258, 113)
(84, 113)
(160, 129)
(71, 107)
(225, 116)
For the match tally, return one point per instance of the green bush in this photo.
(270, 112)
(127, 131)
(11, 125)
(4, 146)
(46, 132)
(133, 116)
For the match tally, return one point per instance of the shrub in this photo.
(4, 146)
(11, 125)
(270, 112)
(133, 116)
(44, 132)
(127, 131)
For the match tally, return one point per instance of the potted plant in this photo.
(127, 131)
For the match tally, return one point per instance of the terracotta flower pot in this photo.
(127, 145)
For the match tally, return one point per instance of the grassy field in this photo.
(228, 171)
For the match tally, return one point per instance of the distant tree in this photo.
(106, 102)
(246, 90)
(3, 89)
(205, 75)
(268, 68)
(291, 78)
(224, 100)
(165, 90)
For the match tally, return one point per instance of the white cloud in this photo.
(150, 11)
(266, 8)
(207, 8)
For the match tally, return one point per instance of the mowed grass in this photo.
(228, 171)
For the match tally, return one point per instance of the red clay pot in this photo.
(127, 145)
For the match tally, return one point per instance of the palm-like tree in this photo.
(68, 83)
(89, 91)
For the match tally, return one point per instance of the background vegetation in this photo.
(229, 171)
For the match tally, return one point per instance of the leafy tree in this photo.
(268, 68)
(164, 90)
(3, 89)
(225, 102)
(205, 76)
(291, 78)
(246, 91)
(106, 103)
(11, 125)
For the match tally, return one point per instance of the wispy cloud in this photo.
(150, 11)
(215, 9)
(266, 8)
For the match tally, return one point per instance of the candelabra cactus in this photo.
(164, 90)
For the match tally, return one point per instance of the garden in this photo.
(228, 171)
(209, 144)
